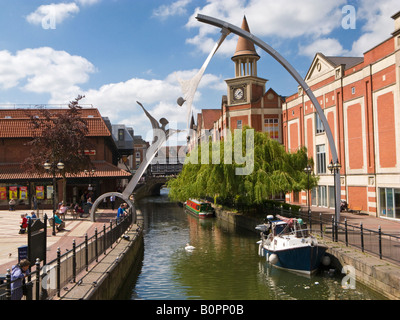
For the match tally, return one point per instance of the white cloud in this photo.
(44, 70)
(175, 8)
(55, 12)
(312, 18)
(378, 24)
(87, 2)
(327, 46)
(118, 100)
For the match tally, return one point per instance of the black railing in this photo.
(46, 282)
(383, 245)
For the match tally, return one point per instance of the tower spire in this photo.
(245, 57)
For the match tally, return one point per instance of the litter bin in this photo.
(22, 253)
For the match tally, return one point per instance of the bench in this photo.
(355, 209)
(73, 213)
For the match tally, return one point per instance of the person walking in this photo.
(112, 201)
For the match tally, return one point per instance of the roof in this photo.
(245, 46)
(103, 170)
(209, 117)
(348, 62)
(15, 123)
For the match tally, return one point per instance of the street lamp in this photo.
(308, 170)
(52, 167)
(335, 169)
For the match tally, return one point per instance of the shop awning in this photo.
(15, 171)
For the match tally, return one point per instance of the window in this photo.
(322, 196)
(331, 191)
(121, 134)
(389, 202)
(319, 126)
(353, 90)
(239, 124)
(321, 161)
(271, 126)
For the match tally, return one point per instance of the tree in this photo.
(59, 136)
(275, 171)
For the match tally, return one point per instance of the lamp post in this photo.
(335, 169)
(52, 167)
(308, 170)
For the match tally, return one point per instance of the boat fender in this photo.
(260, 250)
(326, 260)
(273, 259)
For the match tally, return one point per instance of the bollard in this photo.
(95, 244)
(104, 238)
(362, 236)
(58, 271)
(380, 242)
(73, 261)
(86, 252)
(37, 279)
(8, 281)
(320, 225)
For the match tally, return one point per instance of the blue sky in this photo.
(117, 52)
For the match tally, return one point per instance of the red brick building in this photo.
(15, 182)
(360, 97)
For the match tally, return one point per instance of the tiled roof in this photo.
(15, 123)
(103, 170)
(209, 117)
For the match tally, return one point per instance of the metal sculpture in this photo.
(231, 28)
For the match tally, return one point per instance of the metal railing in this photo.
(46, 281)
(382, 245)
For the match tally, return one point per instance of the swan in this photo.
(189, 247)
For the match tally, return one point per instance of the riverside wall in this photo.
(379, 275)
(106, 278)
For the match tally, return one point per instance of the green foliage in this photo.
(275, 171)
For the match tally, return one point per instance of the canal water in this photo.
(223, 266)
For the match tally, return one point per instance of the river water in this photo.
(223, 266)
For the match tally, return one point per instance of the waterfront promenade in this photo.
(75, 229)
(11, 240)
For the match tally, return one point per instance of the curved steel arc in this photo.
(296, 76)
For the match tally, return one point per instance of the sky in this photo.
(117, 52)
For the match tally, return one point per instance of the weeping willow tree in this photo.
(211, 171)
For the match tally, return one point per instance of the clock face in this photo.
(238, 94)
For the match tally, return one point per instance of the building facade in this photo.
(17, 183)
(360, 97)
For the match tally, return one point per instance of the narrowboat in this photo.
(200, 209)
(287, 244)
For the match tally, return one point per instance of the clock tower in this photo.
(246, 87)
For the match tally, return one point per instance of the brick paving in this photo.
(75, 229)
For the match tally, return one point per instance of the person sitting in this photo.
(63, 210)
(60, 224)
(33, 216)
(78, 209)
(24, 224)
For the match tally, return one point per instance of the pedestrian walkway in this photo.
(388, 226)
(75, 229)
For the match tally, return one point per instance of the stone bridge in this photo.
(151, 187)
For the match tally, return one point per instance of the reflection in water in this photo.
(223, 266)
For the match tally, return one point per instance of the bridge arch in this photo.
(109, 194)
